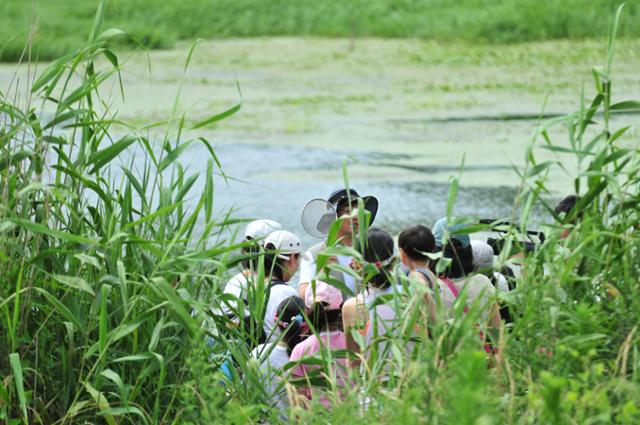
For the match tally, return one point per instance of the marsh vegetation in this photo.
(112, 263)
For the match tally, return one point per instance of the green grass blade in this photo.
(16, 367)
(101, 158)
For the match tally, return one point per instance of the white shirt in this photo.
(238, 287)
(382, 315)
(349, 281)
(501, 282)
(382, 318)
(308, 270)
(271, 366)
(277, 294)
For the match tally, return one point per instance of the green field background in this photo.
(59, 26)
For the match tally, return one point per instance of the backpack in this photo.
(488, 348)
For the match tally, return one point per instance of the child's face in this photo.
(293, 263)
(349, 223)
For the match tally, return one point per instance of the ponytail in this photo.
(290, 320)
(461, 259)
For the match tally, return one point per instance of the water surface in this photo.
(403, 114)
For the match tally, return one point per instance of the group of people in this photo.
(339, 286)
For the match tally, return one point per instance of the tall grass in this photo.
(59, 26)
(110, 271)
(100, 259)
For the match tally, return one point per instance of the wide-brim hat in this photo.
(339, 196)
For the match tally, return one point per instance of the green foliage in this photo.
(97, 267)
(61, 26)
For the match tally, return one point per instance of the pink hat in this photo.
(325, 293)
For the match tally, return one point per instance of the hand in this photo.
(355, 265)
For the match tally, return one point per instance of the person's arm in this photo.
(307, 273)
(302, 289)
(494, 316)
(354, 317)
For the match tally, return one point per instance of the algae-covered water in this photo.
(403, 114)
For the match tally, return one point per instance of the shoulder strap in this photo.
(451, 286)
(454, 290)
(426, 275)
(276, 282)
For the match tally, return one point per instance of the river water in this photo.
(402, 115)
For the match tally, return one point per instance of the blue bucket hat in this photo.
(441, 226)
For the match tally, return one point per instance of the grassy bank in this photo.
(63, 25)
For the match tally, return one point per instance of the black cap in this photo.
(339, 196)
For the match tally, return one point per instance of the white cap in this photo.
(482, 255)
(260, 229)
(284, 242)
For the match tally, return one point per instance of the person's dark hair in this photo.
(273, 263)
(253, 251)
(566, 205)
(290, 316)
(324, 319)
(379, 248)
(343, 207)
(461, 259)
(415, 240)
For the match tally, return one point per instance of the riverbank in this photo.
(57, 27)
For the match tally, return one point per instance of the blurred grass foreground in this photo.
(57, 27)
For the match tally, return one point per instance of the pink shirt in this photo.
(333, 340)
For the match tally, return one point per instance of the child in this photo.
(281, 260)
(459, 276)
(239, 285)
(326, 319)
(273, 356)
(379, 251)
(483, 263)
(382, 315)
(414, 243)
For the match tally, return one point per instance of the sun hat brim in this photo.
(370, 202)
